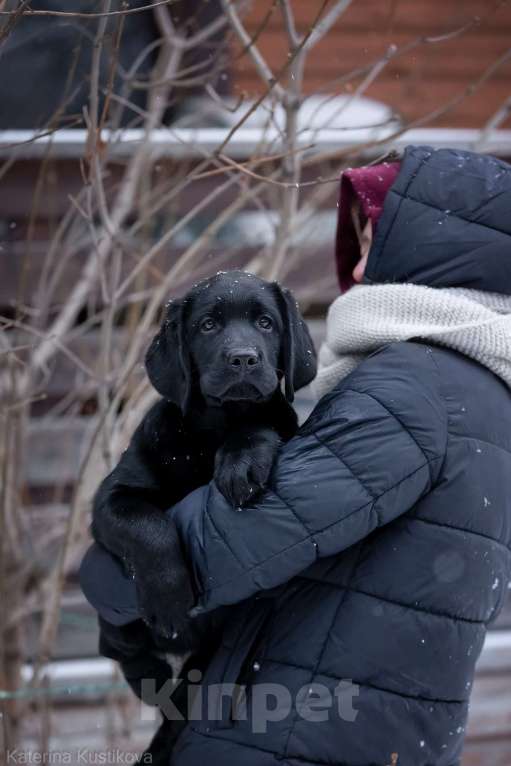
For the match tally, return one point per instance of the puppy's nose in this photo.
(243, 359)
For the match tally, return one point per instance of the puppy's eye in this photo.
(208, 324)
(265, 322)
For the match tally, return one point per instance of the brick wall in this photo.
(424, 76)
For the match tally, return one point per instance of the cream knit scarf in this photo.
(476, 323)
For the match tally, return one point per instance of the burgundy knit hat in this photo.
(370, 186)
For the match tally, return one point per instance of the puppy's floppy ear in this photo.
(167, 360)
(298, 354)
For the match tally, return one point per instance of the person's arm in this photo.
(370, 450)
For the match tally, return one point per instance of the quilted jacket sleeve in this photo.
(370, 450)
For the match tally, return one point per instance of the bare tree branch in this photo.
(90, 15)
(323, 26)
(249, 46)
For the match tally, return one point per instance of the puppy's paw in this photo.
(165, 593)
(242, 472)
(236, 485)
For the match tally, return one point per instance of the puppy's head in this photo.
(231, 338)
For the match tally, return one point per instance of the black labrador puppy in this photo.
(218, 362)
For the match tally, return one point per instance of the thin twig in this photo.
(251, 48)
(495, 121)
(91, 15)
(323, 26)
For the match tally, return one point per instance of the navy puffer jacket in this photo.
(382, 550)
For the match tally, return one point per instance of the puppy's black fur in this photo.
(217, 361)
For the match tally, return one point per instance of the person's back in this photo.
(388, 527)
(418, 593)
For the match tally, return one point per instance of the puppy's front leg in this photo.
(243, 463)
(131, 528)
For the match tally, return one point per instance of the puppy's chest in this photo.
(186, 463)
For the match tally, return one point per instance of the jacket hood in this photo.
(446, 222)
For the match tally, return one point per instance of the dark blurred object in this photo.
(207, 58)
(46, 62)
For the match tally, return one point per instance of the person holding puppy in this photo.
(364, 576)
(385, 532)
